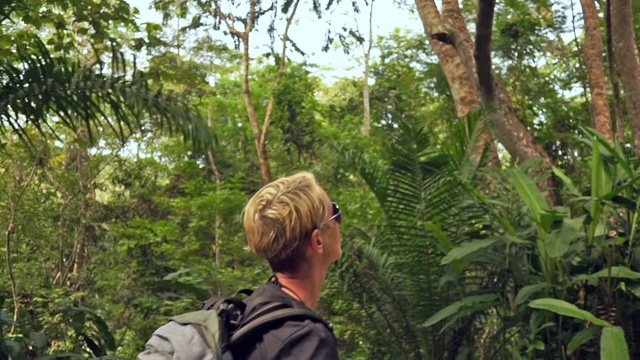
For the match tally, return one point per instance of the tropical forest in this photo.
(485, 156)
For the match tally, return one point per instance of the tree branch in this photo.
(281, 66)
(224, 18)
(482, 53)
(10, 230)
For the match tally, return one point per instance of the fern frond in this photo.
(44, 91)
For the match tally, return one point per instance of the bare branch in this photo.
(15, 206)
(281, 66)
(224, 18)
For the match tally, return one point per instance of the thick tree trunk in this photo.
(613, 75)
(593, 49)
(451, 36)
(624, 42)
(463, 87)
(462, 83)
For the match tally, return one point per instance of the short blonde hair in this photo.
(280, 218)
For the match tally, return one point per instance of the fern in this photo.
(40, 90)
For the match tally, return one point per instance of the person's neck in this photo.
(304, 286)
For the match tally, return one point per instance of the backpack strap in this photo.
(270, 315)
(236, 299)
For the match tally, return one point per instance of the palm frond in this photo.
(374, 174)
(421, 185)
(373, 281)
(44, 91)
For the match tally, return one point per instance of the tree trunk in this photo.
(259, 136)
(452, 43)
(624, 42)
(366, 126)
(462, 84)
(593, 49)
(613, 75)
(218, 176)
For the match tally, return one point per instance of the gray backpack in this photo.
(212, 332)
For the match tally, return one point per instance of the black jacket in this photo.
(288, 339)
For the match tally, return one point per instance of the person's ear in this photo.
(316, 242)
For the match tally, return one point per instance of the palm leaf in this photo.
(420, 186)
(43, 91)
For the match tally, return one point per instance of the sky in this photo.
(308, 32)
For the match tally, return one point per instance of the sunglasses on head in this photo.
(337, 215)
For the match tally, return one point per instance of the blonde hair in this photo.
(280, 218)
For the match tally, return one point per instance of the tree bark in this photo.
(463, 88)
(218, 176)
(451, 36)
(462, 83)
(259, 135)
(613, 75)
(624, 42)
(593, 49)
(482, 53)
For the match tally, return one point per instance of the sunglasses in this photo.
(337, 214)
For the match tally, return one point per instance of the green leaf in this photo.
(529, 192)
(466, 249)
(103, 329)
(562, 307)
(458, 305)
(617, 153)
(567, 180)
(613, 345)
(39, 339)
(555, 215)
(444, 243)
(616, 272)
(176, 274)
(558, 242)
(527, 291)
(581, 338)
(62, 356)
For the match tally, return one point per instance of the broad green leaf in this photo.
(176, 274)
(617, 153)
(558, 242)
(39, 339)
(634, 289)
(529, 192)
(466, 249)
(538, 345)
(103, 329)
(549, 217)
(562, 307)
(457, 306)
(527, 291)
(613, 345)
(567, 180)
(597, 172)
(582, 337)
(616, 272)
